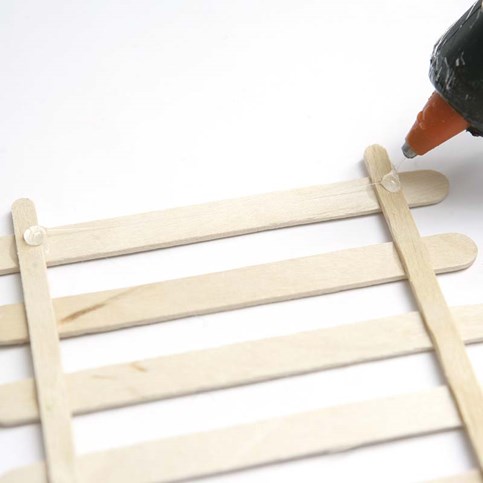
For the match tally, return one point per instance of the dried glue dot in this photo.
(35, 235)
(391, 181)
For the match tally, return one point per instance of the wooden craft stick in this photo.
(209, 221)
(243, 363)
(44, 343)
(235, 289)
(469, 477)
(447, 341)
(327, 430)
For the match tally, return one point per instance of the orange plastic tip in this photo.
(435, 124)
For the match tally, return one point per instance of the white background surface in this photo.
(118, 107)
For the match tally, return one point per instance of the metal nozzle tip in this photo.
(408, 151)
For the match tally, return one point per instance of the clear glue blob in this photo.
(35, 235)
(391, 181)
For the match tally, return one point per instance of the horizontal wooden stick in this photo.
(469, 477)
(220, 219)
(300, 435)
(243, 363)
(234, 289)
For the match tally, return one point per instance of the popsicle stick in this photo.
(235, 289)
(469, 477)
(447, 341)
(243, 363)
(311, 433)
(220, 219)
(44, 343)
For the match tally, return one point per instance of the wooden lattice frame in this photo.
(52, 396)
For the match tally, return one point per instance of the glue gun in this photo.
(456, 71)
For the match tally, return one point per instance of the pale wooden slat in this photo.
(243, 363)
(321, 431)
(469, 477)
(448, 344)
(220, 219)
(44, 343)
(234, 289)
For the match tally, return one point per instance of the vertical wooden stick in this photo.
(439, 322)
(44, 342)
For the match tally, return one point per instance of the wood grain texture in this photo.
(53, 404)
(447, 341)
(285, 438)
(243, 363)
(235, 289)
(220, 219)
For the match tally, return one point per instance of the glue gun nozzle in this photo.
(408, 151)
